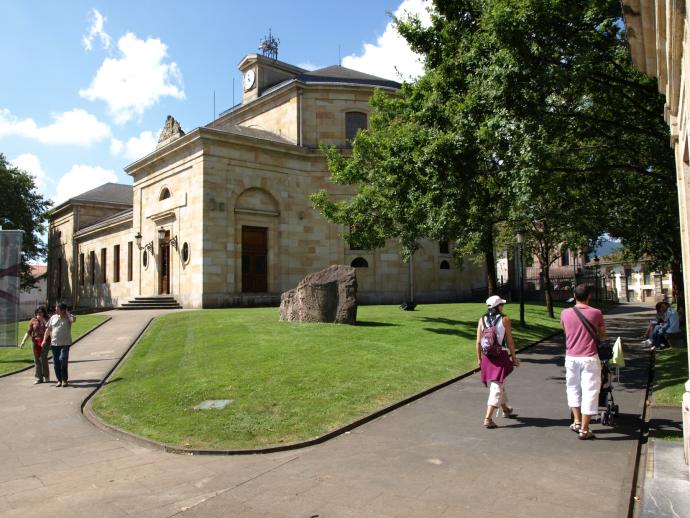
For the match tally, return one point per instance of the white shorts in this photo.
(497, 394)
(583, 382)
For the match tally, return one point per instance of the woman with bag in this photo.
(496, 361)
(36, 330)
(584, 327)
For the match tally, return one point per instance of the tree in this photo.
(530, 112)
(22, 208)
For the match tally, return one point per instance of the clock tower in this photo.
(260, 73)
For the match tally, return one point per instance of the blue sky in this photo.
(87, 85)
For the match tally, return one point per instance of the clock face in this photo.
(249, 78)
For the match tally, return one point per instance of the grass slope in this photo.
(288, 382)
(13, 359)
(671, 373)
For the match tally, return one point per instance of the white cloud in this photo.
(391, 51)
(136, 80)
(96, 31)
(81, 178)
(116, 146)
(31, 164)
(138, 147)
(73, 127)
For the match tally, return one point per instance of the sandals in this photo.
(575, 427)
(508, 413)
(489, 423)
(586, 435)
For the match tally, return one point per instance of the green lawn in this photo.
(671, 373)
(289, 382)
(13, 359)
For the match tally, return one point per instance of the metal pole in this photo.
(522, 287)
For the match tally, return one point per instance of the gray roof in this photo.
(257, 133)
(120, 216)
(339, 74)
(115, 193)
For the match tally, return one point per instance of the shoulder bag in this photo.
(604, 348)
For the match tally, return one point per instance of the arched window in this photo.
(165, 194)
(445, 265)
(359, 262)
(354, 121)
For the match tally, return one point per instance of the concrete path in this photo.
(430, 458)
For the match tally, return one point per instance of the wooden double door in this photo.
(164, 266)
(254, 259)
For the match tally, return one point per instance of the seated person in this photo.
(657, 321)
(671, 325)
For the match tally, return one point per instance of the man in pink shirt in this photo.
(582, 366)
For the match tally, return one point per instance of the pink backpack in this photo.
(488, 341)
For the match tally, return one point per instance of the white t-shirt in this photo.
(60, 330)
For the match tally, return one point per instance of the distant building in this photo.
(221, 215)
(30, 299)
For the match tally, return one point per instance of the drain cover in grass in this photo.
(213, 403)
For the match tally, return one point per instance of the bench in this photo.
(675, 340)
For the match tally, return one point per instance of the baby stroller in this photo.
(608, 407)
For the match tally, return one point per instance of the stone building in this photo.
(658, 34)
(220, 216)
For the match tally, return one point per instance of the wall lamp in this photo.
(147, 246)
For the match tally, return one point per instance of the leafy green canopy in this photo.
(529, 113)
(22, 208)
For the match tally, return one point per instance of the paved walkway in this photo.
(431, 458)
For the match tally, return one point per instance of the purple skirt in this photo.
(496, 368)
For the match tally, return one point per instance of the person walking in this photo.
(36, 331)
(582, 365)
(496, 357)
(59, 330)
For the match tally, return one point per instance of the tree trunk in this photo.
(548, 296)
(490, 260)
(678, 291)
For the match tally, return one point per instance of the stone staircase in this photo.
(155, 302)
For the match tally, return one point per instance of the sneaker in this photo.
(647, 342)
(64, 384)
(36, 382)
(58, 384)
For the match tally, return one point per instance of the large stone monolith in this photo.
(326, 296)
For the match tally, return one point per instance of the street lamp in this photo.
(147, 246)
(596, 277)
(521, 276)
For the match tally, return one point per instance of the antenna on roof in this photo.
(214, 105)
(340, 61)
(269, 46)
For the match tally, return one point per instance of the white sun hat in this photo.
(494, 301)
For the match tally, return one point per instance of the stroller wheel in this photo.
(604, 418)
(615, 409)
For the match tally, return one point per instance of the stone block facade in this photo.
(221, 216)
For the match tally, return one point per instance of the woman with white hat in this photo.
(496, 357)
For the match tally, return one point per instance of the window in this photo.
(81, 269)
(445, 265)
(648, 277)
(165, 194)
(145, 259)
(443, 247)
(103, 267)
(354, 121)
(185, 253)
(92, 266)
(565, 257)
(116, 263)
(129, 261)
(360, 262)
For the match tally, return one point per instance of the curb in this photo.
(642, 450)
(88, 413)
(108, 319)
